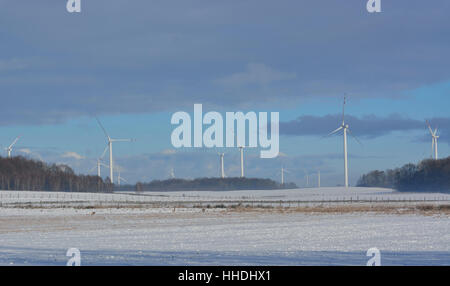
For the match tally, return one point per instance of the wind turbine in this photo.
(119, 179)
(110, 145)
(346, 129)
(241, 148)
(10, 148)
(434, 144)
(283, 170)
(98, 167)
(318, 178)
(172, 173)
(306, 177)
(100, 163)
(222, 169)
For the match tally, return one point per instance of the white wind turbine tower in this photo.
(242, 161)
(434, 144)
(346, 129)
(318, 178)
(283, 170)
(222, 167)
(306, 177)
(110, 145)
(100, 163)
(172, 173)
(10, 147)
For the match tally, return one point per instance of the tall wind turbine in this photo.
(242, 161)
(283, 170)
(306, 177)
(434, 144)
(10, 147)
(99, 162)
(346, 129)
(120, 179)
(222, 169)
(110, 146)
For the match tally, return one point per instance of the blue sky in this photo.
(134, 64)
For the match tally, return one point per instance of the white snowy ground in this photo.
(188, 236)
(295, 195)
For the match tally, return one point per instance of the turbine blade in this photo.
(354, 137)
(335, 131)
(14, 142)
(343, 110)
(432, 147)
(122, 140)
(104, 152)
(429, 128)
(103, 128)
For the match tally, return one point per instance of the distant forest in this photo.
(210, 184)
(19, 173)
(427, 176)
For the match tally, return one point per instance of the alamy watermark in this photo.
(73, 6)
(75, 257)
(375, 255)
(374, 6)
(213, 135)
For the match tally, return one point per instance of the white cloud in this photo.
(72, 155)
(168, 152)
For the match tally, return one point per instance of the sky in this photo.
(134, 63)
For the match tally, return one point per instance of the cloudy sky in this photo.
(134, 63)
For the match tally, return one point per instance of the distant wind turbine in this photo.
(434, 144)
(346, 129)
(283, 170)
(10, 147)
(110, 145)
(242, 161)
(222, 169)
(306, 177)
(100, 163)
(120, 179)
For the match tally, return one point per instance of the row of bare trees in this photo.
(427, 176)
(19, 173)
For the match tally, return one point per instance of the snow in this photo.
(192, 236)
(317, 195)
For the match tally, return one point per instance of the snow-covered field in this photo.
(158, 235)
(266, 197)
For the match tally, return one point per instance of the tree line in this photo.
(19, 173)
(211, 184)
(426, 176)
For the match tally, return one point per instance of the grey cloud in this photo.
(146, 56)
(369, 126)
(255, 74)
